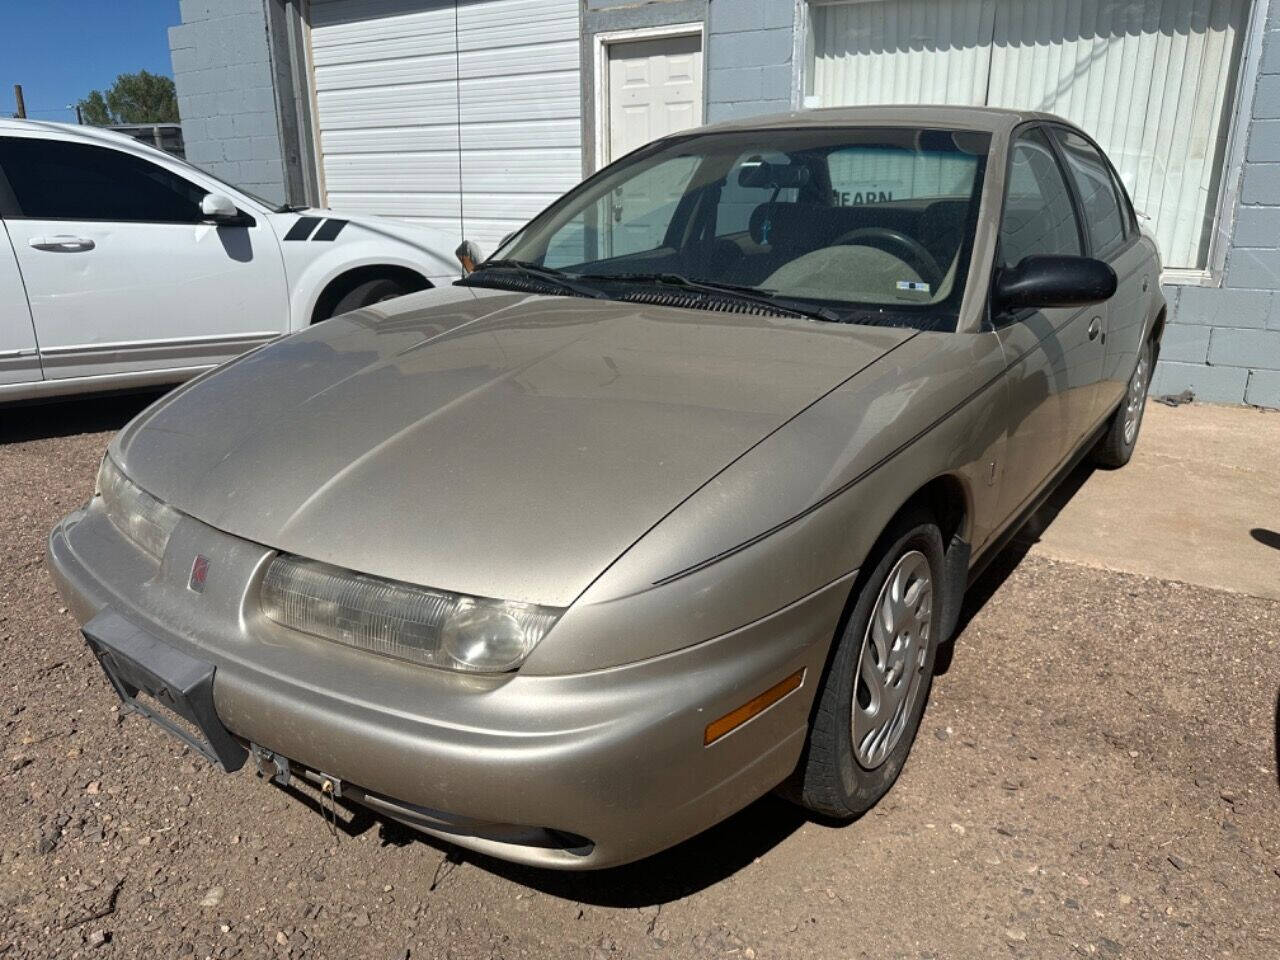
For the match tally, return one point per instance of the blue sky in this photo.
(59, 50)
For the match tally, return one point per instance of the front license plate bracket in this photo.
(136, 662)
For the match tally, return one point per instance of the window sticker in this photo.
(913, 286)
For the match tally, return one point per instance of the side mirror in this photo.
(468, 255)
(1039, 282)
(219, 209)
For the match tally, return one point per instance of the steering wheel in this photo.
(896, 243)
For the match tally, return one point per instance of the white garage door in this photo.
(459, 113)
(1151, 80)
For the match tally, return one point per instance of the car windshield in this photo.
(869, 224)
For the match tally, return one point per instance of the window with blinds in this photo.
(1153, 81)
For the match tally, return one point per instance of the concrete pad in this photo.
(1199, 502)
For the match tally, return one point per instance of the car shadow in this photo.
(700, 862)
(65, 418)
(1007, 560)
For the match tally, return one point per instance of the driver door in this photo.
(1056, 354)
(121, 273)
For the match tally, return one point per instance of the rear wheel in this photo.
(1117, 444)
(874, 693)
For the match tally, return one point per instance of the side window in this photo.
(55, 180)
(1103, 209)
(1038, 214)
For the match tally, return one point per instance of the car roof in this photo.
(78, 132)
(986, 119)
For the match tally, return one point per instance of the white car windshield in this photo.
(869, 219)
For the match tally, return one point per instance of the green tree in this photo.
(141, 97)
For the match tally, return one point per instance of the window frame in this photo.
(1129, 219)
(1016, 134)
(16, 211)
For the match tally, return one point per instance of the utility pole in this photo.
(22, 106)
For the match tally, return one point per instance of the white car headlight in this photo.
(137, 514)
(401, 620)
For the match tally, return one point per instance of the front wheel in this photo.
(874, 694)
(368, 293)
(1117, 444)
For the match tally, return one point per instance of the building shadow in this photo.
(65, 418)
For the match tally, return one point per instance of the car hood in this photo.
(490, 443)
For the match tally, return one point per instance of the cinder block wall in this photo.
(222, 71)
(749, 57)
(1224, 343)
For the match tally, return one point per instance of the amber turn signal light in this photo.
(736, 718)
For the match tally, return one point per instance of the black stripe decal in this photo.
(330, 229)
(302, 228)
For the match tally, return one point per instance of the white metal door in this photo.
(655, 88)
(520, 99)
(18, 360)
(464, 115)
(385, 75)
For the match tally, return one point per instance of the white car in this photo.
(122, 266)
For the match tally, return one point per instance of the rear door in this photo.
(122, 274)
(1056, 354)
(1112, 232)
(19, 362)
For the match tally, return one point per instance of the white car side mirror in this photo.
(217, 207)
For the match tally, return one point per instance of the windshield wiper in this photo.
(751, 294)
(547, 274)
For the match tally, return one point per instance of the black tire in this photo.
(369, 292)
(1118, 443)
(831, 779)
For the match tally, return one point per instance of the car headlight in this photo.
(138, 515)
(431, 627)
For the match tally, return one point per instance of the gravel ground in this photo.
(1096, 775)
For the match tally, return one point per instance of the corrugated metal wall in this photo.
(1151, 80)
(464, 115)
(902, 51)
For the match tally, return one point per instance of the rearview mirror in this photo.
(758, 173)
(1040, 282)
(216, 207)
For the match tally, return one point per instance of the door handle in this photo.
(61, 243)
(1095, 328)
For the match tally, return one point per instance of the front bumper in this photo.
(504, 765)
